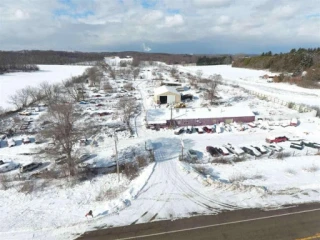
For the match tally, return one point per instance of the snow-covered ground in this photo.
(167, 188)
(250, 79)
(11, 82)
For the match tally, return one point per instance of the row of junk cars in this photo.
(208, 129)
(257, 150)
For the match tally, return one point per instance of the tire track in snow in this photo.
(204, 197)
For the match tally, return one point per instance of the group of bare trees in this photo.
(126, 108)
(210, 85)
(64, 127)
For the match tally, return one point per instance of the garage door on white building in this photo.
(171, 99)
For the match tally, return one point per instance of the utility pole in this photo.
(116, 148)
(171, 116)
(182, 147)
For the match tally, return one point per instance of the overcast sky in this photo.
(173, 26)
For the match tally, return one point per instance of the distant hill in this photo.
(64, 57)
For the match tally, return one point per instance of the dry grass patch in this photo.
(312, 168)
(283, 155)
(109, 194)
(220, 160)
(237, 177)
(291, 171)
(4, 182)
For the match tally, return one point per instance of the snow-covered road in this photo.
(171, 191)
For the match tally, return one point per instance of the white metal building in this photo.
(116, 61)
(166, 94)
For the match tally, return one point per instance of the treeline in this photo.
(14, 63)
(215, 60)
(296, 61)
(299, 66)
(63, 57)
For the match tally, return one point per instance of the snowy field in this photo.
(167, 188)
(11, 82)
(250, 79)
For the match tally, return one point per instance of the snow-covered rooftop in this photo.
(165, 89)
(160, 115)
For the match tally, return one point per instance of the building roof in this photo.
(165, 89)
(161, 115)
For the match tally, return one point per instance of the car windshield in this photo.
(192, 152)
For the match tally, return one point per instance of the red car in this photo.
(206, 129)
(277, 140)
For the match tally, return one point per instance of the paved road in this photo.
(300, 222)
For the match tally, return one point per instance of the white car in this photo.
(255, 151)
(83, 158)
(274, 147)
(11, 142)
(7, 166)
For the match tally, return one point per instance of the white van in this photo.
(29, 167)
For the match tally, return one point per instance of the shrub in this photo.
(142, 161)
(291, 171)
(221, 160)
(237, 177)
(109, 194)
(202, 169)
(290, 105)
(131, 170)
(4, 181)
(283, 155)
(312, 168)
(27, 187)
(257, 176)
(239, 158)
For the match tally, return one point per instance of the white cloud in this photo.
(173, 21)
(34, 24)
(152, 17)
(19, 14)
(211, 3)
(284, 12)
(223, 20)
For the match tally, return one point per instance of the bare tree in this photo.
(75, 91)
(34, 94)
(126, 108)
(112, 73)
(20, 99)
(135, 62)
(174, 71)
(211, 85)
(193, 81)
(128, 86)
(199, 74)
(51, 93)
(107, 87)
(95, 76)
(103, 66)
(65, 130)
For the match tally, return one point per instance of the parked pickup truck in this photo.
(296, 146)
(277, 139)
(311, 144)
